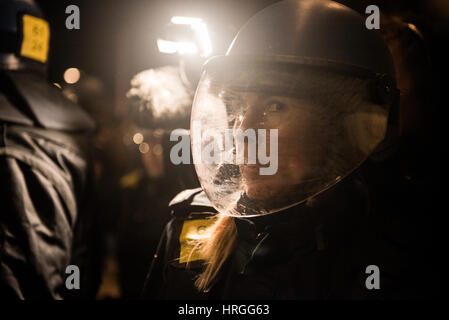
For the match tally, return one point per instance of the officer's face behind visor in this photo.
(326, 126)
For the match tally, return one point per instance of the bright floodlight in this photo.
(201, 32)
(185, 20)
(166, 46)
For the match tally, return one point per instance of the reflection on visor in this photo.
(278, 136)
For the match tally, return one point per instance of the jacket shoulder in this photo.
(190, 203)
(42, 103)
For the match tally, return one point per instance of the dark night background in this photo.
(117, 39)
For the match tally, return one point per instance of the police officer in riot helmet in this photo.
(44, 167)
(309, 94)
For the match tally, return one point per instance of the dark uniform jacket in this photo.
(44, 181)
(328, 249)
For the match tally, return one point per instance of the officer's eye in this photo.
(274, 106)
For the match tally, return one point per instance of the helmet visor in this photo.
(268, 136)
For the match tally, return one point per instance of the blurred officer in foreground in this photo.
(44, 167)
(335, 219)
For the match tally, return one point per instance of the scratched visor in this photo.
(268, 136)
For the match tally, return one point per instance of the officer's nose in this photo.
(245, 129)
(251, 118)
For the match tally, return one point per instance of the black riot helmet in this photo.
(24, 47)
(25, 36)
(302, 98)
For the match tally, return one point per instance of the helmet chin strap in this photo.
(389, 145)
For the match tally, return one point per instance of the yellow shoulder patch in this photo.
(192, 231)
(36, 38)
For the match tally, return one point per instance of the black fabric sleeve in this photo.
(37, 233)
(42, 178)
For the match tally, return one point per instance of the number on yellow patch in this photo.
(193, 230)
(36, 37)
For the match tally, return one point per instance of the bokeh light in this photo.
(144, 147)
(138, 138)
(72, 75)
